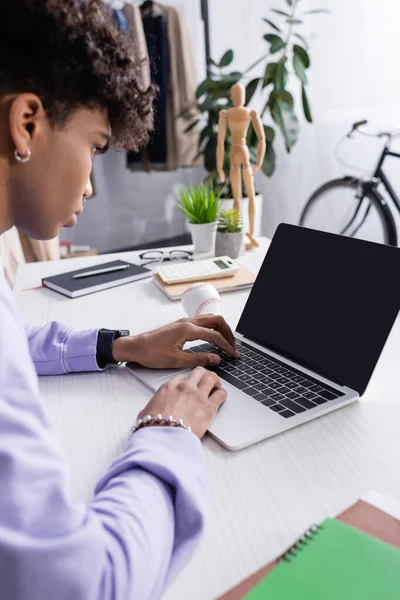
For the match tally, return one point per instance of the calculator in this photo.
(198, 270)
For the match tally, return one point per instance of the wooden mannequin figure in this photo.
(238, 120)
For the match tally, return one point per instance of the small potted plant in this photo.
(201, 207)
(229, 238)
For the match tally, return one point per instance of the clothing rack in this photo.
(206, 23)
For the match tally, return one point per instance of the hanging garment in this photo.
(136, 31)
(175, 74)
(120, 21)
(154, 156)
(182, 147)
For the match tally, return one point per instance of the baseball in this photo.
(200, 299)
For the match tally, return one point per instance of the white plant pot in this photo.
(203, 236)
(244, 213)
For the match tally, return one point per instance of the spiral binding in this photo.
(301, 543)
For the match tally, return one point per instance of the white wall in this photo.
(355, 74)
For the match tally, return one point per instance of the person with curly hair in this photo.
(68, 91)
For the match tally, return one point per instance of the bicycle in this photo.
(354, 206)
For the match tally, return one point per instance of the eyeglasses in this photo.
(152, 256)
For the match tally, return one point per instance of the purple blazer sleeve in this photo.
(142, 525)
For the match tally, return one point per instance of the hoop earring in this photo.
(22, 159)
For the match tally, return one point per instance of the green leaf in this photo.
(280, 75)
(283, 95)
(214, 63)
(302, 39)
(271, 24)
(200, 204)
(251, 88)
(228, 80)
(269, 73)
(294, 21)
(211, 85)
(299, 68)
(276, 42)
(251, 139)
(268, 166)
(269, 133)
(290, 2)
(272, 38)
(317, 11)
(202, 89)
(274, 48)
(284, 116)
(229, 221)
(191, 126)
(281, 12)
(207, 104)
(226, 59)
(287, 97)
(306, 104)
(302, 54)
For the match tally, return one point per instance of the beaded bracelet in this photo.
(158, 420)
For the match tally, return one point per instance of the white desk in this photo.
(262, 497)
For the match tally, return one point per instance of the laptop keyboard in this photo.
(274, 384)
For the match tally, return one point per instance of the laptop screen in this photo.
(325, 301)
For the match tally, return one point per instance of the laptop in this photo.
(310, 334)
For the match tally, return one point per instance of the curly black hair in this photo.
(71, 55)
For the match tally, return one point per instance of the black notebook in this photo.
(73, 288)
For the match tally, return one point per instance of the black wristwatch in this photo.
(105, 341)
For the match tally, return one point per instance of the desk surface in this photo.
(263, 497)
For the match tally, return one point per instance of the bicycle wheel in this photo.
(349, 207)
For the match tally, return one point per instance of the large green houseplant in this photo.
(287, 57)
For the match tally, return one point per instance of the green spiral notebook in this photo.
(334, 562)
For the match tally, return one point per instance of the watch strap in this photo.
(105, 341)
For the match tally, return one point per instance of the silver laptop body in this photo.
(245, 419)
(242, 420)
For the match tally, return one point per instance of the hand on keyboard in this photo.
(163, 347)
(276, 385)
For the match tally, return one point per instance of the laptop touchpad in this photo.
(158, 381)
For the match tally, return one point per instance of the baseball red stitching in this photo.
(196, 286)
(203, 304)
